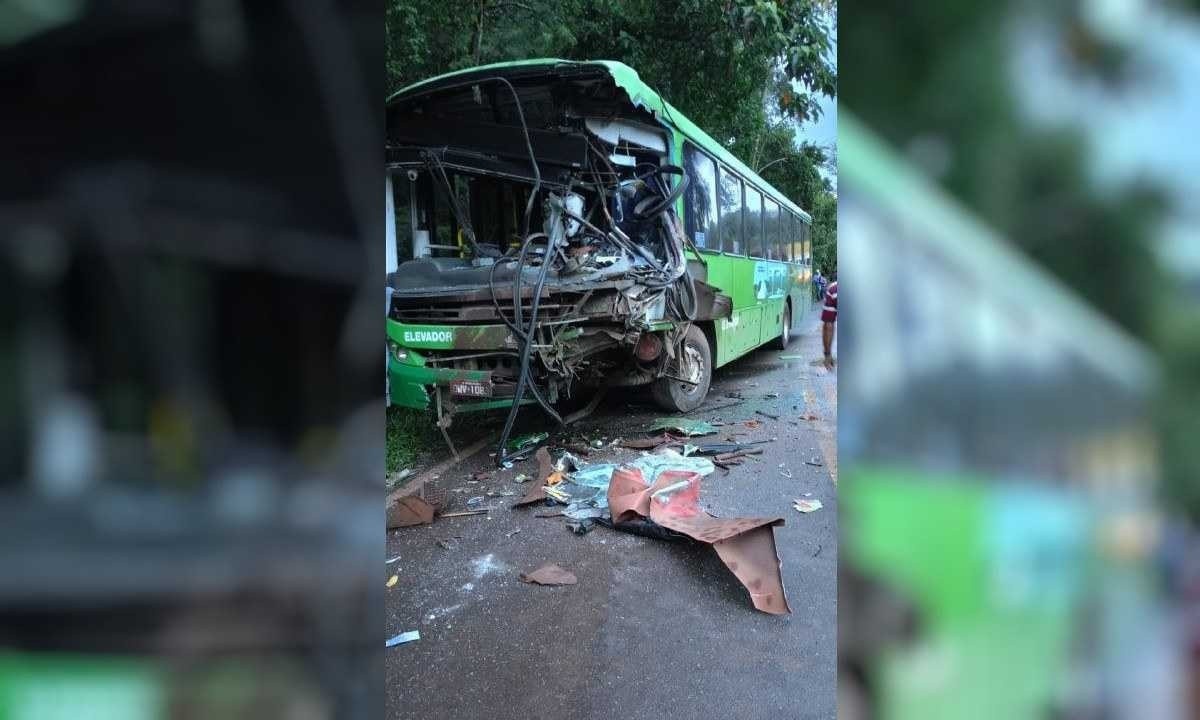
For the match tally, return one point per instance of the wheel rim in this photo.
(787, 325)
(693, 368)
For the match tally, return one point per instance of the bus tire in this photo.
(675, 396)
(785, 331)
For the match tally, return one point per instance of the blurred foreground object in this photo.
(998, 473)
(189, 478)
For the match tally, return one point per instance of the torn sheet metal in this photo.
(745, 545)
(537, 491)
(413, 504)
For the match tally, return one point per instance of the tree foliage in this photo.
(939, 75)
(747, 71)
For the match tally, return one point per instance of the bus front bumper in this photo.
(410, 385)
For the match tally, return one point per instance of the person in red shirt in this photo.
(829, 320)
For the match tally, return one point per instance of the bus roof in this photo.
(642, 96)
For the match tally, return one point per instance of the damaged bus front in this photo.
(540, 203)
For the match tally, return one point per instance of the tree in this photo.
(747, 71)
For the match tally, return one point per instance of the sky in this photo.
(823, 132)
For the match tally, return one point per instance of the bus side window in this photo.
(786, 220)
(731, 213)
(754, 223)
(797, 245)
(805, 230)
(771, 230)
(700, 200)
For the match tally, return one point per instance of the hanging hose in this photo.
(529, 336)
(518, 332)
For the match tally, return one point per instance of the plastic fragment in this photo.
(404, 637)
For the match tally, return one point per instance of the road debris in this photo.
(764, 413)
(807, 506)
(520, 478)
(514, 532)
(686, 426)
(745, 545)
(579, 448)
(725, 460)
(464, 513)
(753, 424)
(585, 490)
(815, 462)
(413, 504)
(537, 492)
(525, 442)
(726, 447)
(477, 503)
(404, 637)
(580, 527)
(389, 562)
(549, 574)
(393, 580)
(649, 443)
(398, 477)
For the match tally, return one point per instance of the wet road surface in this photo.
(652, 629)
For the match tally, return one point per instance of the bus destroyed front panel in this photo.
(539, 210)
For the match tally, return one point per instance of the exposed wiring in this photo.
(527, 348)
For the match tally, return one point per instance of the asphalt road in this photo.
(652, 629)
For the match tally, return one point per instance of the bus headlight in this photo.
(399, 353)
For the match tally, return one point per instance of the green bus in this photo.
(568, 230)
(996, 498)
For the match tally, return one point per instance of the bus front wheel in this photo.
(695, 366)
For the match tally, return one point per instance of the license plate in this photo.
(470, 388)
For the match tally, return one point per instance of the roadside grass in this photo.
(409, 432)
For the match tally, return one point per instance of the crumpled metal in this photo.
(745, 545)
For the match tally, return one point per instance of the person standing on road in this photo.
(818, 285)
(829, 319)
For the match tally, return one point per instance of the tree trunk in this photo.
(478, 49)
